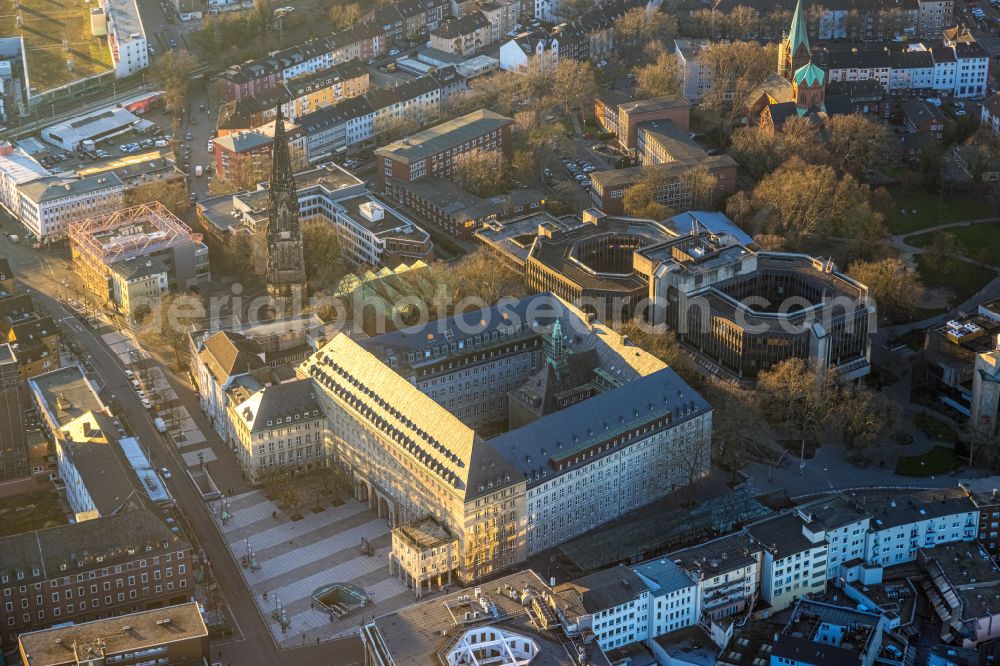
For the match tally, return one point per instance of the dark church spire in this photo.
(286, 273)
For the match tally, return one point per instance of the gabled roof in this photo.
(228, 353)
(462, 25)
(382, 98)
(34, 331)
(78, 546)
(601, 590)
(917, 111)
(943, 54)
(970, 51)
(781, 112)
(15, 308)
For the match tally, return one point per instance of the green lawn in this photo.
(932, 209)
(30, 512)
(962, 279)
(47, 24)
(935, 428)
(939, 460)
(977, 241)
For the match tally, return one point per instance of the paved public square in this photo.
(297, 557)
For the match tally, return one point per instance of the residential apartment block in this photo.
(958, 68)
(794, 559)
(845, 526)
(694, 69)
(901, 527)
(254, 77)
(315, 90)
(34, 340)
(126, 36)
(817, 631)
(409, 104)
(987, 501)
(727, 571)
(91, 570)
(340, 129)
(86, 442)
(463, 36)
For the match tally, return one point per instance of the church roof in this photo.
(798, 35)
(810, 74)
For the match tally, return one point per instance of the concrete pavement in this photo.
(251, 643)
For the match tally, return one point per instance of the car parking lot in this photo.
(578, 170)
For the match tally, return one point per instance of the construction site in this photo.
(125, 258)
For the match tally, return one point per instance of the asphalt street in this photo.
(45, 276)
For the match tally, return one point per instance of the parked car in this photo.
(146, 403)
(393, 52)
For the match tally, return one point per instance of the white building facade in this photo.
(899, 528)
(126, 37)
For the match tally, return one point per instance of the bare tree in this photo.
(345, 15)
(896, 289)
(574, 85)
(173, 194)
(736, 69)
(483, 172)
(659, 78)
(643, 25)
(860, 416)
(172, 71)
(857, 144)
(324, 257)
(800, 201)
(795, 395)
(291, 500)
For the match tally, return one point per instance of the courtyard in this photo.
(292, 566)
